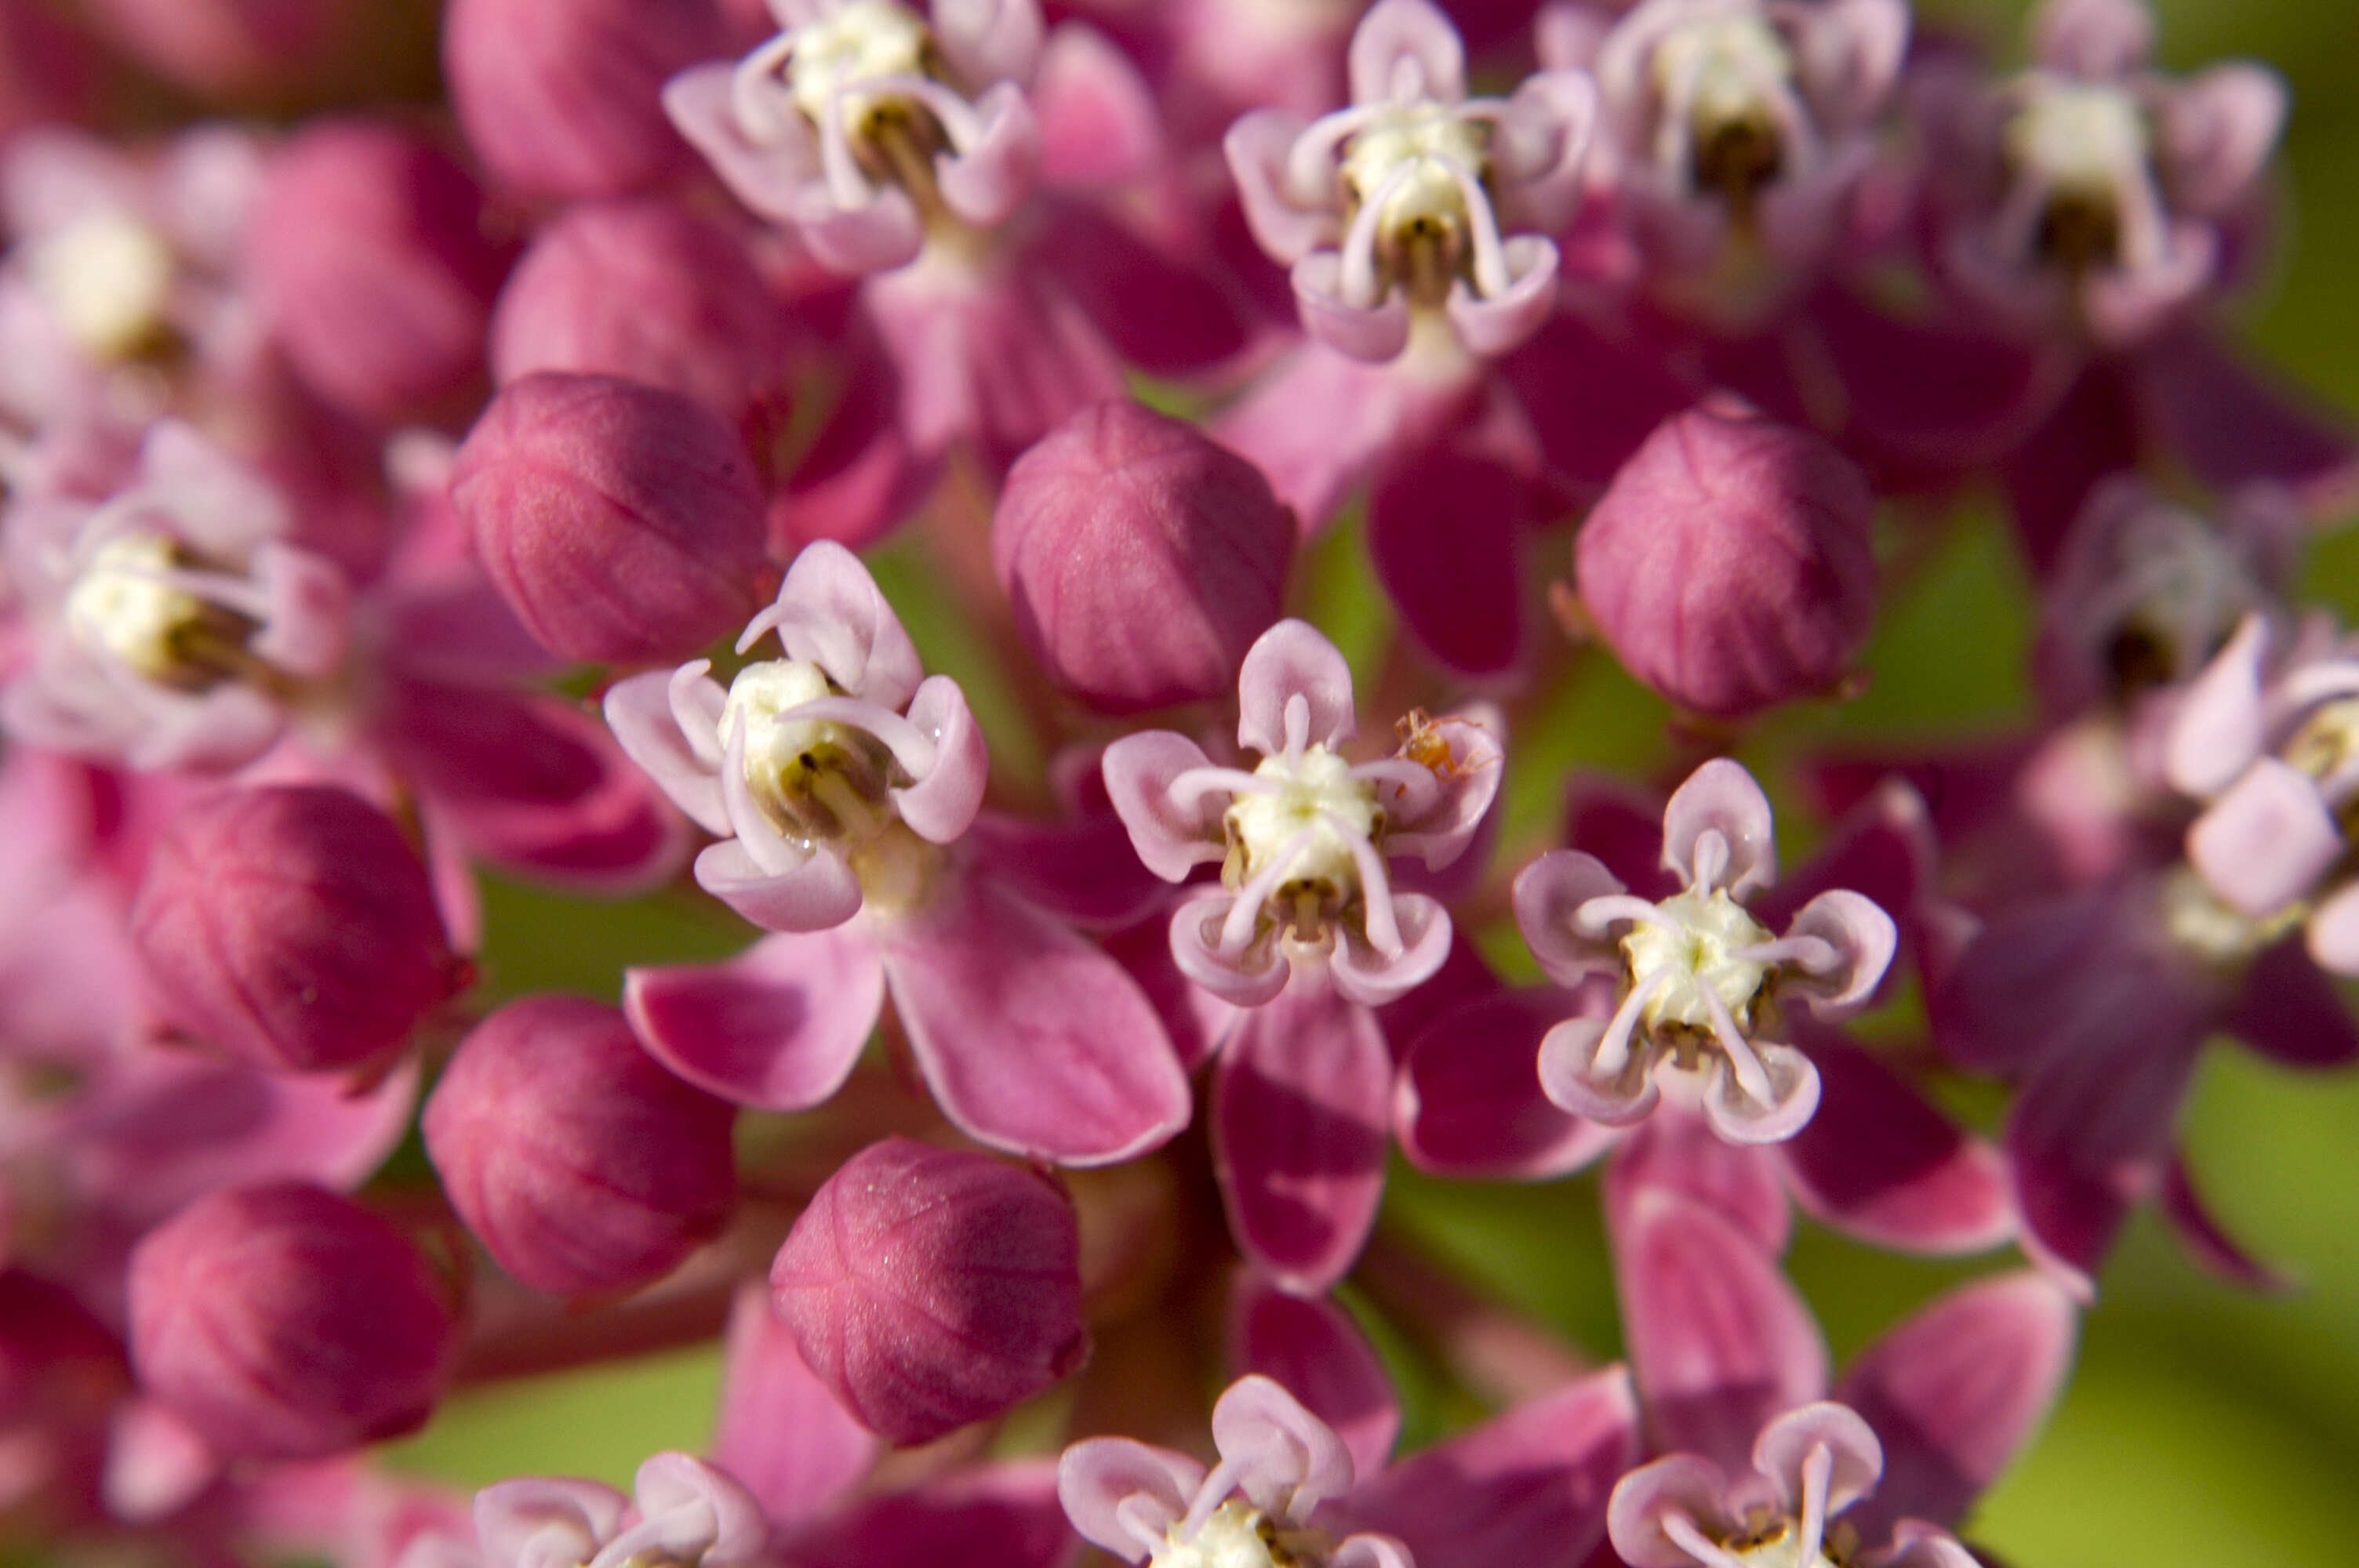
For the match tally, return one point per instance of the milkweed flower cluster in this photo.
(705, 473)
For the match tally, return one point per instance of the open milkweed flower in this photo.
(1699, 977)
(839, 778)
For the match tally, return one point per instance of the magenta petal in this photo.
(1956, 1390)
(779, 1026)
(778, 1429)
(1526, 1487)
(1097, 1476)
(1293, 659)
(1678, 1152)
(1082, 872)
(1591, 399)
(1444, 532)
(1099, 123)
(1880, 1164)
(1310, 1346)
(1469, 1104)
(2233, 426)
(1718, 1338)
(2087, 437)
(989, 1516)
(2207, 1240)
(1031, 1040)
(2290, 1011)
(1298, 1111)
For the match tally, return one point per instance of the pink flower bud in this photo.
(1142, 559)
(621, 522)
(283, 1322)
(649, 291)
(291, 927)
(369, 252)
(1729, 563)
(48, 69)
(579, 1163)
(222, 48)
(565, 97)
(930, 1287)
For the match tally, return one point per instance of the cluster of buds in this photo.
(719, 694)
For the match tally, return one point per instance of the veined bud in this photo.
(930, 1287)
(1142, 559)
(369, 251)
(620, 523)
(1729, 563)
(284, 1322)
(645, 290)
(564, 97)
(576, 1161)
(289, 926)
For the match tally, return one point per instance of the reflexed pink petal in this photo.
(2216, 731)
(1501, 323)
(1786, 1444)
(1678, 1152)
(1956, 1390)
(1539, 148)
(1245, 979)
(2265, 841)
(1864, 939)
(881, 234)
(830, 613)
(1547, 894)
(1916, 1544)
(638, 710)
(1293, 659)
(939, 806)
(771, 179)
(2232, 425)
(989, 1516)
(1370, 1552)
(1099, 124)
(1170, 837)
(1288, 1460)
(2207, 1240)
(1397, 35)
(305, 628)
(778, 1429)
(1444, 524)
(1361, 974)
(1880, 1164)
(1031, 1040)
(1884, 848)
(1097, 1476)
(2218, 129)
(1528, 1486)
(2291, 1013)
(688, 1512)
(2333, 933)
(1298, 1110)
(1849, 57)
(1718, 1339)
(779, 1026)
(1569, 1076)
(1736, 1116)
(1685, 1485)
(989, 41)
(536, 1522)
(819, 894)
(1256, 147)
(1374, 333)
(2096, 40)
(1468, 1103)
(1720, 798)
(990, 179)
(1310, 1346)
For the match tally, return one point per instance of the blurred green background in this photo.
(2203, 1426)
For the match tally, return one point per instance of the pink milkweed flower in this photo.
(679, 1510)
(839, 778)
(1302, 839)
(1287, 1489)
(1735, 134)
(1702, 980)
(1417, 202)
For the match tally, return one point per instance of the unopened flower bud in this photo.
(284, 1322)
(622, 523)
(645, 290)
(577, 1162)
(370, 254)
(564, 97)
(930, 1287)
(1143, 559)
(290, 927)
(1729, 564)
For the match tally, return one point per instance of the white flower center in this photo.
(815, 779)
(1312, 821)
(2079, 135)
(1729, 76)
(1417, 155)
(1694, 945)
(107, 277)
(1783, 1549)
(1239, 1535)
(125, 606)
(2206, 925)
(864, 42)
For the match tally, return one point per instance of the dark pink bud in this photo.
(1142, 559)
(648, 291)
(291, 927)
(622, 523)
(578, 1162)
(1729, 563)
(48, 70)
(283, 1322)
(929, 1288)
(565, 97)
(227, 47)
(371, 257)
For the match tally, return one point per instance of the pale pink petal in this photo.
(156, 1465)
(1528, 1486)
(224, 508)
(1407, 45)
(2266, 841)
(1374, 333)
(1362, 974)
(1471, 777)
(1919, 1545)
(1310, 1346)
(1298, 1110)
(990, 179)
(1171, 837)
(1721, 800)
(1539, 142)
(1372, 1552)
(535, 1522)
(2217, 130)
(1678, 1152)
(1099, 123)
(1684, 1487)
(939, 805)
(1863, 938)
(2093, 39)
(1107, 1483)
(830, 613)
(1032, 1040)
(1793, 1100)
(773, 180)
(819, 894)
(1496, 324)
(779, 1026)
(1468, 1102)
(778, 1429)
(640, 712)
(1848, 57)
(1547, 894)
(1247, 979)
(1293, 660)
(1256, 147)
(1957, 1390)
(1718, 1339)
(2126, 306)
(305, 628)
(989, 41)
(2333, 933)
(1288, 1460)
(1785, 1446)
(688, 1512)
(1569, 1076)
